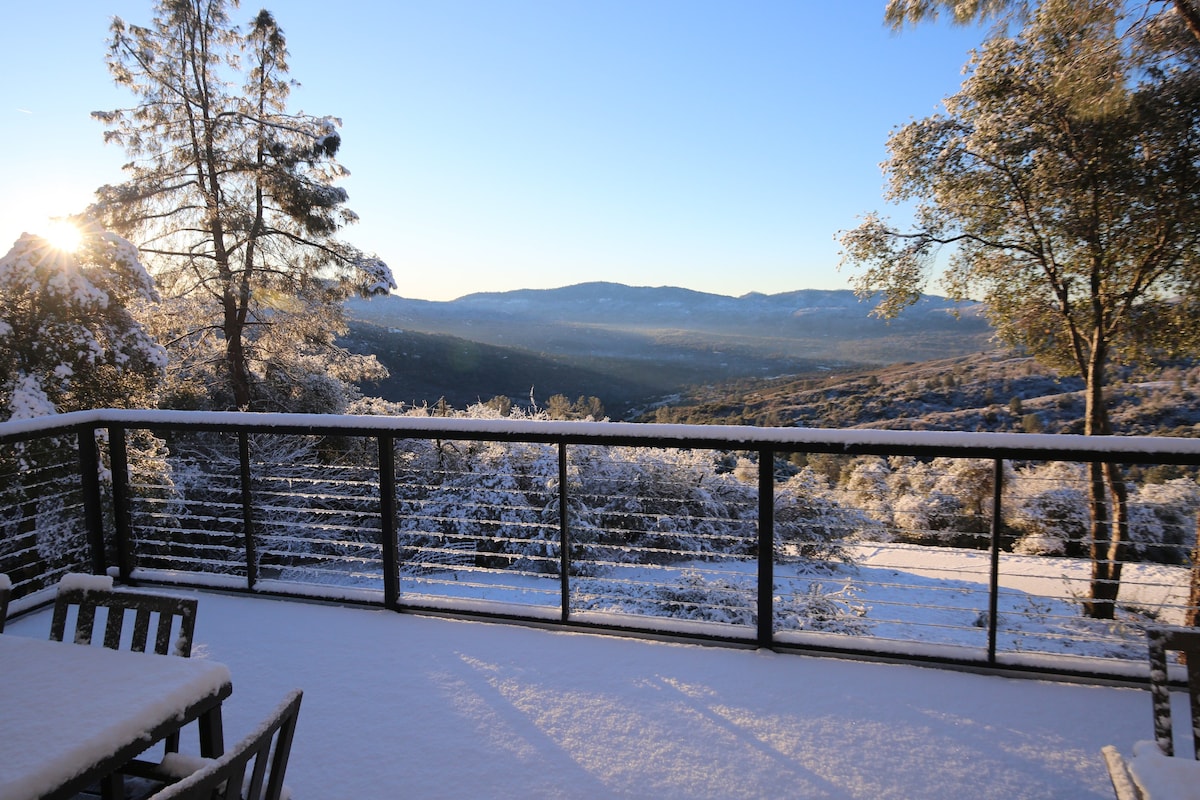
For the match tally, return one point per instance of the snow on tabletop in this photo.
(72, 704)
(88, 583)
(1163, 777)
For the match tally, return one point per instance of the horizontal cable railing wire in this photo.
(969, 548)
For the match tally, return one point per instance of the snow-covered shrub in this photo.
(1162, 520)
(498, 499)
(865, 487)
(946, 501)
(830, 611)
(812, 528)
(691, 594)
(1046, 505)
(650, 505)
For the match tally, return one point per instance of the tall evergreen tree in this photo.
(231, 198)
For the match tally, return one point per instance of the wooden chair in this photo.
(5, 594)
(119, 605)
(253, 769)
(1161, 641)
(87, 594)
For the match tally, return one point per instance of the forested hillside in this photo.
(995, 391)
(632, 346)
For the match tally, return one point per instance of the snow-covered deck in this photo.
(401, 705)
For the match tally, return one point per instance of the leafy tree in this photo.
(230, 197)
(68, 339)
(1064, 175)
(902, 12)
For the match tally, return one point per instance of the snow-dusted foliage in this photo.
(944, 501)
(1046, 505)
(829, 610)
(812, 528)
(69, 339)
(497, 500)
(688, 594)
(651, 505)
(1163, 520)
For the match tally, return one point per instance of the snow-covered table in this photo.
(71, 714)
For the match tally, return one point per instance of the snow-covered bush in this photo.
(817, 609)
(865, 487)
(651, 505)
(946, 501)
(1046, 505)
(812, 528)
(1162, 520)
(689, 594)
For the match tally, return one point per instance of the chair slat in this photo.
(5, 594)
(85, 624)
(113, 628)
(141, 630)
(162, 641)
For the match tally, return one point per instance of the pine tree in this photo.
(231, 198)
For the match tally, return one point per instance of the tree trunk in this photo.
(1108, 500)
(1110, 537)
(235, 353)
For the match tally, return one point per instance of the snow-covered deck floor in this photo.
(416, 707)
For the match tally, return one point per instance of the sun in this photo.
(63, 235)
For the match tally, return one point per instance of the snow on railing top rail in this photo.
(999, 445)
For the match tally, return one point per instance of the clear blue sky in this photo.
(504, 144)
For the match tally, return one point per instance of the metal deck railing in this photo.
(955, 548)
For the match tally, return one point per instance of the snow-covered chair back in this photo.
(87, 593)
(1160, 641)
(253, 769)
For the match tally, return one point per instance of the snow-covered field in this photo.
(895, 598)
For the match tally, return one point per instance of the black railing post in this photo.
(994, 579)
(387, 522)
(118, 458)
(564, 534)
(247, 508)
(766, 547)
(93, 503)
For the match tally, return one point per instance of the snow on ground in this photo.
(400, 705)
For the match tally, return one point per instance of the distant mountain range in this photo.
(631, 345)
